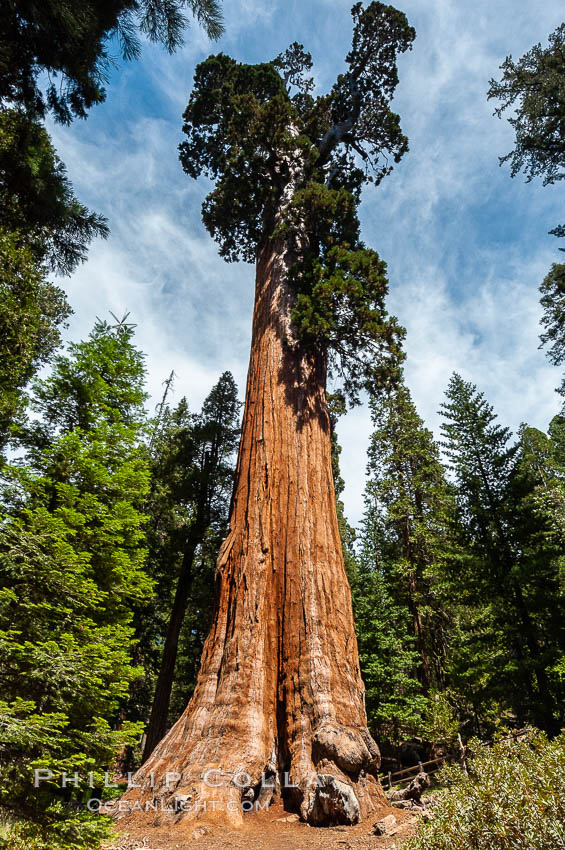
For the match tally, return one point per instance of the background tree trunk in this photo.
(279, 691)
(157, 725)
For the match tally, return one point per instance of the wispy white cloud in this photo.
(466, 245)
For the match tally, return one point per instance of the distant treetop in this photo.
(535, 87)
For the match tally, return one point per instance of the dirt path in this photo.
(272, 830)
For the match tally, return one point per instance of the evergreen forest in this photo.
(115, 505)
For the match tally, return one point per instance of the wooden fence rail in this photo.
(392, 777)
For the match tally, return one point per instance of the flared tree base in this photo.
(323, 793)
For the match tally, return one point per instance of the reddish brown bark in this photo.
(279, 693)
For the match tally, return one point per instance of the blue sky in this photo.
(466, 245)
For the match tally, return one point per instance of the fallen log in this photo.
(413, 791)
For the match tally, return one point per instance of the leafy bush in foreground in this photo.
(512, 799)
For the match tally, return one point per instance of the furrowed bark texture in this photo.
(279, 694)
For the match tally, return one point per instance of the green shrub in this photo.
(68, 831)
(512, 799)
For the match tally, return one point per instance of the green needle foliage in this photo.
(32, 310)
(414, 508)
(477, 450)
(44, 229)
(553, 302)
(72, 43)
(387, 652)
(36, 198)
(510, 639)
(288, 168)
(72, 568)
(550, 496)
(535, 87)
(405, 545)
(98, 382)
(55, 57)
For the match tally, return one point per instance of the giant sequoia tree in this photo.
(279, 694)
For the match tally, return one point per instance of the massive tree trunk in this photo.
(279, 699)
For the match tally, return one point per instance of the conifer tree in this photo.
(32, 311)
(55, 58)
(553, 320)
(406, 546)
(549, 499)
(44, 229)
(538, 495)
(56, 55)
(193, 469)
(37, 203)
(407, 484)
(72, 568)
(534, 87)
(279, 688)
(502, 582)
(387, 647)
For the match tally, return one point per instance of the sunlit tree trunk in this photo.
(279, 696)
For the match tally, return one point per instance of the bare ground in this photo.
(272, 830)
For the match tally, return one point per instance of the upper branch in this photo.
(339, 131)
(360, 98)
